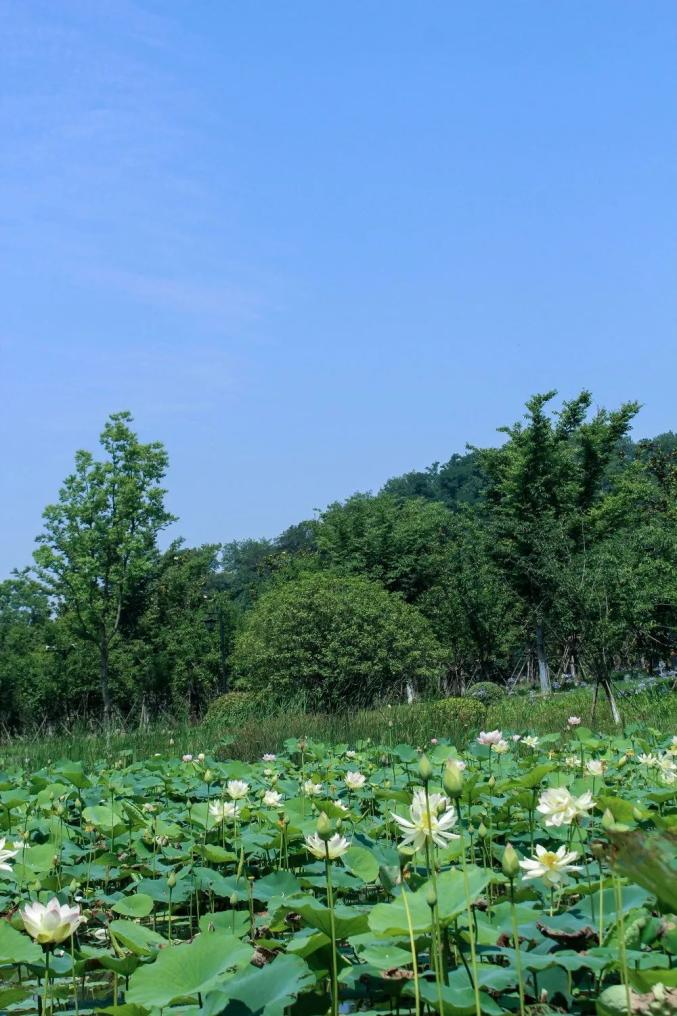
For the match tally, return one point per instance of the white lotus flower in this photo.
(573, 761)
(351, 754)
(500, 747)
(429, 819)
(6, 855)
(355, 781)
(332, 848)
(312, 789)
(574, 721)
(237, 789)
(222, 810)
(268, 757)
(186, 758)
(649, 760)
(559, 807)
(53, 923)
(595, 767)
(531, 741)
(549, 865)
(516, 737)
(272, 798)
(667, 767)
(489, 737)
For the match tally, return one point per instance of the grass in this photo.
(415, 724)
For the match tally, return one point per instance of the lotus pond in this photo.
(520, 875)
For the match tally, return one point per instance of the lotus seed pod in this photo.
(452, 780)
(425, 770)
(510, 862)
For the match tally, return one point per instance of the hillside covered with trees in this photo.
(558, 548)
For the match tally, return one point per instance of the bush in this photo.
(453, 717)
(327, 642)
(232, 709)
(487, 692)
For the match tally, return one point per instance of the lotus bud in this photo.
(425, 770)
(234, 900)
(510, 862)
(452, 779)
(482, 831)
(208, 776)
(622, 760)
(491, 782)
(608, 820)
(637, 814)
(324, 830)
(431, 897)
(171, 879)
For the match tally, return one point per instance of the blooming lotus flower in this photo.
(222, 810)
(429, 819)
(595, 767)
(351, 754)
(649, 760)
(573, 761)
(312, 789)
(559, 807)
(516, 737)
(335, 847)
(237, 789)
(549, 865)
(489, 737)
(272, 798)
(531, 741)
(268, 757)
(186, 758)
(355, 781)
(668, 769)
(574, 721)
(500, 747)
(6, 855)
(53, 923)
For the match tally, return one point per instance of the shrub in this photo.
(453, 717)
(233, 708)
(487, 692)
(327, 642)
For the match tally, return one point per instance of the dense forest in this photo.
(554, 552)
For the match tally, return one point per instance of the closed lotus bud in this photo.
(482, 831)
(425, 770)
(171, 879)
(37, 886)
(208, 776)
(431, 897)
(510, 862)
(622, 760)
(637, 814)
(491, 781)
(234, 900)
(453, 779)
(324, 830)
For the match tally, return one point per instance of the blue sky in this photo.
(311, 246)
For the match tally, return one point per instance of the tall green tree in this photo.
(543, 483)
(99, 544)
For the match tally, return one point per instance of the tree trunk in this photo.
(615, 712)
(103, 679)
(543, 671)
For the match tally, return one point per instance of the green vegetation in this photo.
(551, 558)
(499, 875)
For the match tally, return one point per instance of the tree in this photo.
(99, 544)
(334, 642)
(543, 483)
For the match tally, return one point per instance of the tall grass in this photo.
(250, 737)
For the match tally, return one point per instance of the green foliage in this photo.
(233, 709)
(485, 691)
(334, 642)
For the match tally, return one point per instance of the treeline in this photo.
(555, 551)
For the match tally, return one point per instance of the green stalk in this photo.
(618, 894)
(471, 933)
(332, 922)
(412, 946)
(516, 946)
